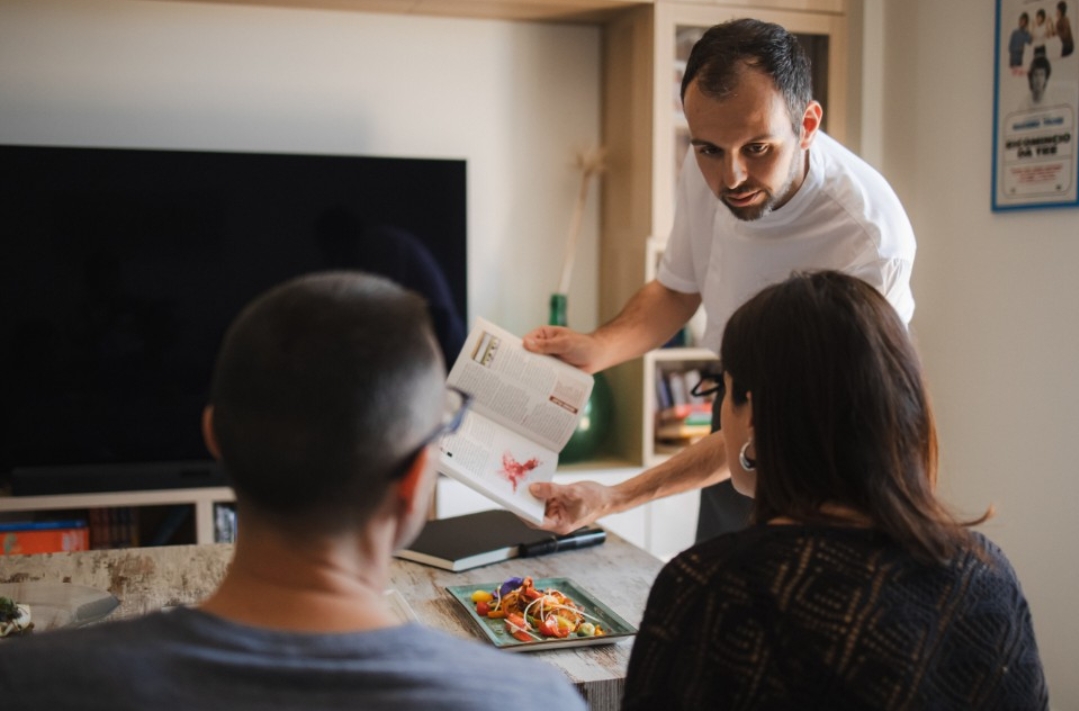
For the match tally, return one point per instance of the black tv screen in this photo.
(122, 268)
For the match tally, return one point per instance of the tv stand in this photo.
(202, 500)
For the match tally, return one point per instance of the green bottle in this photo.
(558, 310)
(595, 422)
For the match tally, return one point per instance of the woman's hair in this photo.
(840, 411)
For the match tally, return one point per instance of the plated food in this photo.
(15, 619)
(532, 614)
(522, 614)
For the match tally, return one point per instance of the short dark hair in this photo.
(1063, 7)
(318, 392)
(840, 410)
(718, 59)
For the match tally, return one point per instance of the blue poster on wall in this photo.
(1035, 161)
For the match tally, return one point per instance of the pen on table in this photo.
(578, 539)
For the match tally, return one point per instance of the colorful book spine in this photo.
(24, 538)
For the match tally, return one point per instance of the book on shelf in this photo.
(676, 382)
(224, 523)
(26, 537)
(696, 413)
(525, 408)
(681, 432)
(114, 527)
(677, 387)
(487, 537)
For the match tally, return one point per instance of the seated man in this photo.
(327, 396)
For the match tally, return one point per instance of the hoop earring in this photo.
(747, 463)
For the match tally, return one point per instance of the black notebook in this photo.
(486, 537)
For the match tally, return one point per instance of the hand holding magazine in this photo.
(525, 407)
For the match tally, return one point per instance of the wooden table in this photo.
(147, 579)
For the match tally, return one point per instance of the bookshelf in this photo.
(201, 502)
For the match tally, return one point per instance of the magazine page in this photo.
(498, 463)
(535, 395)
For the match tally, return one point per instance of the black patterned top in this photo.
(816, 617)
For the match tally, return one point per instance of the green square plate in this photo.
(495, 630)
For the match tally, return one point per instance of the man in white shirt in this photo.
(768, 194)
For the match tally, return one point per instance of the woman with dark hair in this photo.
(854, 587)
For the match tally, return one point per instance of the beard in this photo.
(751, 212)
(773, 200)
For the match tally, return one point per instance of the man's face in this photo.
(746, 147)
(1038, 81)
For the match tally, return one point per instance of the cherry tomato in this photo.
(547, 629)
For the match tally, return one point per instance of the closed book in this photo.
(24, 538)
(682, 431)
(689, 414)
(487, 537)
(677, 383)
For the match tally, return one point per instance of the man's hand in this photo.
(570, 506)
(652, 316)
(578, 349)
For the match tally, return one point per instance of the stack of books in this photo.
(681, 417)
(684, 423)
(25, 537)
(114, 527)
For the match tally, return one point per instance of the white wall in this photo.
(517, 100)
(997, 318)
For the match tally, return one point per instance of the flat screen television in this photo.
(122, 268)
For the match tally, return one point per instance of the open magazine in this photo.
(525, 407)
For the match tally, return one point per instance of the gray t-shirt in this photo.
(187, 659)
